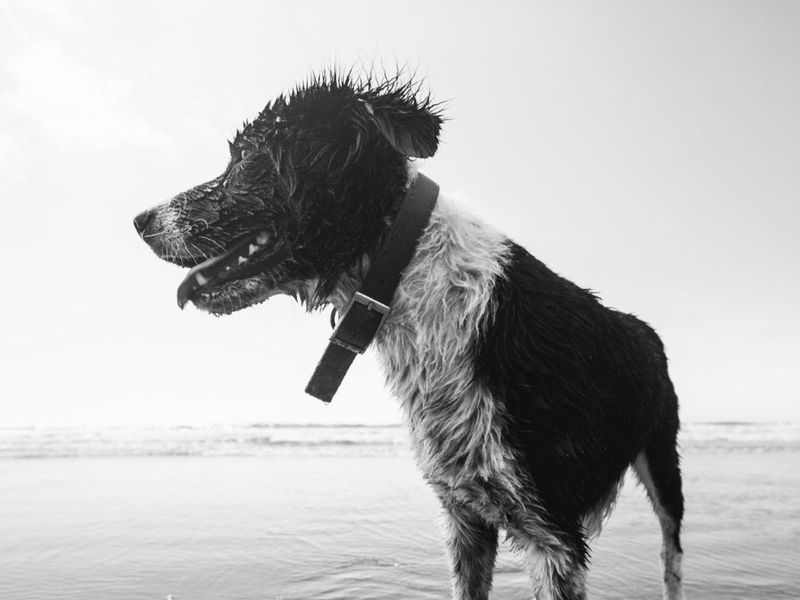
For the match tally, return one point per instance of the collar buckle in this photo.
(360, 321)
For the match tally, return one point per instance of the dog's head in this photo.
(306, 197)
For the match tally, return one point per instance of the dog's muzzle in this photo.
(254, 254)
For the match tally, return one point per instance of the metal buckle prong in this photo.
(370, 303)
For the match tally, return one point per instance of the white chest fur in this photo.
(427, 347)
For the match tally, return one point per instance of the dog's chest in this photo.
(458, 443)
(427, 348)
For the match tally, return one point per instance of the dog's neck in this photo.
(370, 304)
(446, 290)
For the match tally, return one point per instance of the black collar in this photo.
(369, 306)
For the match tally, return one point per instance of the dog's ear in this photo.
(409, 128)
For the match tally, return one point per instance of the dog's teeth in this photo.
(252, 248)
(262, 238)
(198, 277)
(242, 260)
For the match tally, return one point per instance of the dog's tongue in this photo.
(234, 260)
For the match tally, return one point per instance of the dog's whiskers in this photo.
(201, 255)
(210, 241)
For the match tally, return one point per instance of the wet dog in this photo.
(525, 397)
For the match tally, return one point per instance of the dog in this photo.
(525, 397)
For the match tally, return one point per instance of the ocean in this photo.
(273, 512)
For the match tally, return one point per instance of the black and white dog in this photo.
(525, 397)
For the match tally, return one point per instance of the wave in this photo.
(257, 439)
(265, 439)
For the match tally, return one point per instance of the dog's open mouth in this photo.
(250, 256)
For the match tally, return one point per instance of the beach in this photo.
(262, 512)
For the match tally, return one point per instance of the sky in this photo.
(649, 151)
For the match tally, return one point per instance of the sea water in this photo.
(266, 512)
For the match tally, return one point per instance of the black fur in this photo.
(339, 147)
(585, 389)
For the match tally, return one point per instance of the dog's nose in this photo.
(142, 221)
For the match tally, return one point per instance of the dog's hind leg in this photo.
(658, 468)
(472, 548)
(557, 574)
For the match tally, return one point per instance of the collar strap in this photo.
(370, 305)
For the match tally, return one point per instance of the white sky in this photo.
(647, 150)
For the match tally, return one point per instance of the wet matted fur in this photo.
(525, 397)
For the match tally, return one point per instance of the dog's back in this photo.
(584, 386)
(586, 391)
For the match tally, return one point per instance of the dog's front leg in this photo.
(472, 547)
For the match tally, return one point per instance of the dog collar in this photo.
(370, 305)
